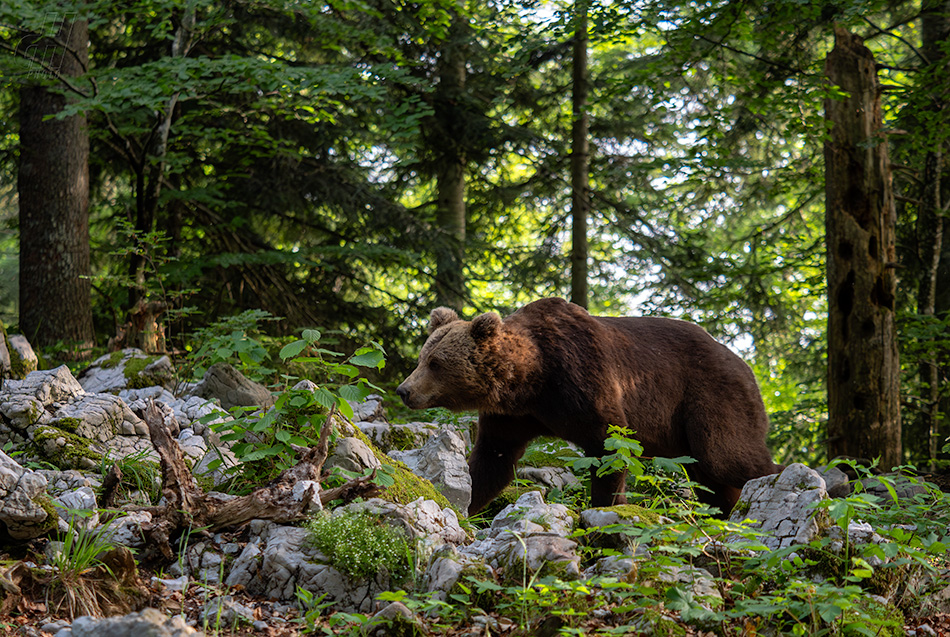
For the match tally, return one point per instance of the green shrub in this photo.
(359, 545)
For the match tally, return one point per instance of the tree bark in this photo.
(53, 188)
(934, 286)
(450, 179)
(863, 365)
(150, 174)
(580, 159)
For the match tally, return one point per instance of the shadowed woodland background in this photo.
(351, 165)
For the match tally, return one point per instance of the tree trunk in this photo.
(580, 160)
(934, 287)
(53, 187)
(450, 180)
(863, 365)
(150, 174)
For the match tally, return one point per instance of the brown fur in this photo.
(553, 369)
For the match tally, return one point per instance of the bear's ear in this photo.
(441, 316)
(485, 326)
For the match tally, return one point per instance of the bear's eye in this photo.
(434, 365)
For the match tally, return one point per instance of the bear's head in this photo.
(466, 365)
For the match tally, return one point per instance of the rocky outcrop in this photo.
(231, 388)
(442, 461)
(126, 369)
(25, 509)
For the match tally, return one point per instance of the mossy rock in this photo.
(537, 454)
(408, 486)
(508, 495)
(76, 453)
(633, 512)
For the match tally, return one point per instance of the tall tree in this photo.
(580, 158)
(860, 218)
(53, 187)
(450, 172)
(934, 282)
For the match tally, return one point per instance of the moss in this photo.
(17, 364)
(135, 365)
(548, 452)
(742, 507)
(114, 359)
(141, 381)
(52, 516)
(631, 511)
(408, 487)
(401, 438)
(67, 424)
(478, 597)
(508, 495)
(68, 456)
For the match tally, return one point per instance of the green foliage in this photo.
(361, 546)
(79, 552)
(139, 474)
(265, 441)
(233, 340)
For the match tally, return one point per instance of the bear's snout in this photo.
(403, 392)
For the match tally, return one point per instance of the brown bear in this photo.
(552, 369)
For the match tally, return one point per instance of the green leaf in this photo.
(354, 393)
(372, 358)
(292, 349)
(344, 407)
(324, 397)
(311, 336)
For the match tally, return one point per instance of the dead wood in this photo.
(110, 487)
(359, 488)
(188, 509)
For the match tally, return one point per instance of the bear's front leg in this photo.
(607, 490)
(500, 443)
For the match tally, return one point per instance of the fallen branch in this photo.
(187, 507)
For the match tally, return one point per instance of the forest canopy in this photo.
(351, 165)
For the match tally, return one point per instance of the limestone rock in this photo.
(59, 482)
(279, 559)
(23, 359)
(371, 409)
(421, 519)
(398, 436)
(442, 462)
(21, 496)
(78, 509)
(225, 612)
(551, 477)
(232, 388)
(781, 505)
(529, 533)
(352, 454)
(6, 370)
(446, 568)
(149, 622)
(127, 529)
(129, 367)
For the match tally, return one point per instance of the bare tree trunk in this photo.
(930, 226)
(53, 187)
(863, 364)
(150, 173)
(580, 159)
(935, 29)
(450, 180)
